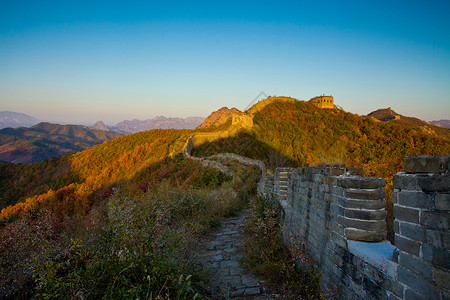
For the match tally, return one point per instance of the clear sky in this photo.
(83, 61)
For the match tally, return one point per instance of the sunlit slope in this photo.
(78, 179)
(298, 133)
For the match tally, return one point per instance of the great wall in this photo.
(338, 216)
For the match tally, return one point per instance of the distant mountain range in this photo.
(15, 120)
(441, 123)
(45, 140)
(160, 122)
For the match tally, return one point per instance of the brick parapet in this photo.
(339, 217)
(421, 200)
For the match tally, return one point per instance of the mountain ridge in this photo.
(46, 140)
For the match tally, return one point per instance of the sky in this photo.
(83, 61)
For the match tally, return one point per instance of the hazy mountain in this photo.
(388, 115)
(15, 119)
(219, 117)
(100, 126)
(45, 140)
(160, 122)
(441, 123)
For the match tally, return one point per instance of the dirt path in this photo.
(220, 257)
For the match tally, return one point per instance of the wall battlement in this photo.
(339, 217)
(323, 101)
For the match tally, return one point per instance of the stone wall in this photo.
(339, 217)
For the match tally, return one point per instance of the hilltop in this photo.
(219, 117)
(388, 115)
(46, 140)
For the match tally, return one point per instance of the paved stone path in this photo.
(229, 279)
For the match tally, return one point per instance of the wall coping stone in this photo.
(426, 164)
(379, 255)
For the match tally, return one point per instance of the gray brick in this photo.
(405, 181)
(412, 295)
(365, 214)
(407, 245)
(361, 182)
(406, 214)
(365, 235)
(417, 283)
(434, 238)
(394, 197)
(442, 201)
(442, 278)
(371, 225)
(415, 265)
(426, 164)
(413, 231)
(446, 240)
(396, 226)
(361, 194)
(415, 199)
(435, 219)
(351, 203)
(355, 171)
(435, 183)
(437, 257)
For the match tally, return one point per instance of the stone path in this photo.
(229, 279)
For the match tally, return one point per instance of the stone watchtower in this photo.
(323, 101)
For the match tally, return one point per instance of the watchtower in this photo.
(323, 101)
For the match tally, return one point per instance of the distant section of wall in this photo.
(339, 217)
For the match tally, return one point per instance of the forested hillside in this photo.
(46, 140)
(73, 183)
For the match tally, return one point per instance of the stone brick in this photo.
(426, 164)
(437, 257)
(396, 226)
(352, 203)
(361, 182)
(415, 265)
(406, 214)
(435, 219)
(407, 245)
(363, 194)
(394, 198)
(403, 181)
(355, 171)
(415, 199)
(417, 283)
(442, 278)
(365, 214)
(373, 289)
(435, 183)
(442, 201)
(365, 235)
(338, 239)
(336, 171)
(413, 295)
(434, 238)
(371, 225)
(446, 240)
(338, 191)
(413, 231)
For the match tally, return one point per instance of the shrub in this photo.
(264, 253)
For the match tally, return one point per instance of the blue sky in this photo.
(81, 61)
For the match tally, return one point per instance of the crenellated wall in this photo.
(339, 217)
